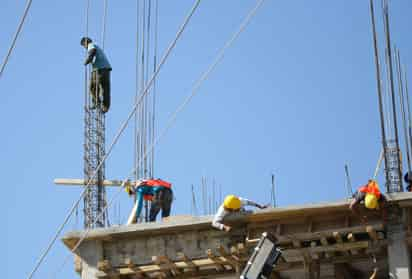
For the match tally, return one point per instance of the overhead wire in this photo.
(16, 35)
(172, 118)
(118, 134)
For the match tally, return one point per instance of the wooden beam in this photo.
(82, 182)
(219, 263)
(351, 237)
(372, 233)
(183, 257)
(167, 263)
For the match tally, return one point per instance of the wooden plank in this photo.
(82, 182)
(234, 261)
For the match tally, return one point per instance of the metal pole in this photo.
(348, 182)
(402, 104)
(392, 89)
(378, 83)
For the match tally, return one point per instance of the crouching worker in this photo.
(371, 198)
(231, 205)
(158, 191)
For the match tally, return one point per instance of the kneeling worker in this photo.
(371, 197)
(158, 191)
(230, 205)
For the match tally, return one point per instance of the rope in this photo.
(122, 128)
(16, 35)
(104, 23)
(172, 119)
(378, 165)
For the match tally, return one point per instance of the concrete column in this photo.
(398, 253)
(91, 253)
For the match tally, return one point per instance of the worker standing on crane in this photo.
(371, 197)
(158, 191)
(100, 77)
(230, 205)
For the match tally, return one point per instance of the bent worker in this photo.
(230, 205)
(158, 191)
(100, 77)
(371, 197)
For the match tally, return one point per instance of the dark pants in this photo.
(100, 88)
(162, 199)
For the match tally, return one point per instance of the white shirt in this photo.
(222, 213)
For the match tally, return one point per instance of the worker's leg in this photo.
(155, 206)
(167, 200)
(93, 87)
(105, 88)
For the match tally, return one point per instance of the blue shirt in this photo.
(140, 192)
(100, 60)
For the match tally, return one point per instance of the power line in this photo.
(116, 138)
(16, 35)
(174, 115)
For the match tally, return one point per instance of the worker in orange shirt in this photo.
(371, 197)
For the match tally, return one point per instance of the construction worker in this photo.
(158, 191)
(230, 205)
(370, 196)
(408, 181)
(100, 77)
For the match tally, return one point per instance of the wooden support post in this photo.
(184, 258)
(339, 240)
(165, 262)
(219, 264)
(324, 242)
(234, 261)
(351, 237)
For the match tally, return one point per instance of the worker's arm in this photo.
(218, 219)
(91, 54)
(353, 206)
(246, 202)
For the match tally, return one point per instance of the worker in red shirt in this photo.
(158, 191)
(371, 197)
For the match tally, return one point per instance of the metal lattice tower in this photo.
(393, 179)
(94, 152)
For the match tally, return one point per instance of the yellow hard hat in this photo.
(232, 202)
(371, 201)
(128, 190)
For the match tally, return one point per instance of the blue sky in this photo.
(295, 96)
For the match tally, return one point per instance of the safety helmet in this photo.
(232, 202)
(371, 201)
